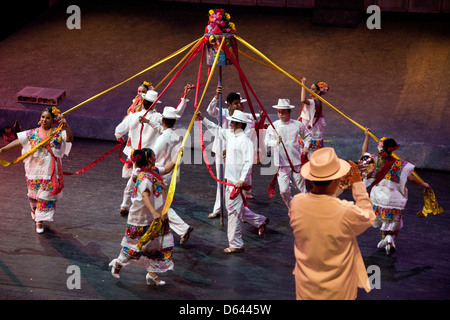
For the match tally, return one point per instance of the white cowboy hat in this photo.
(151, 96)
(170, 113)
(283, 104)
(239, 116)
(324, 165)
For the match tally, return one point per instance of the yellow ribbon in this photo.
(275, 67)
(132, 77)
(156, 227)
(430, 204)
(34, 149)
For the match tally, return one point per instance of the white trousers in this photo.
(126, 199)
(285, 176)
(217, 205)
(236, 214)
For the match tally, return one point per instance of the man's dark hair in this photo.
(169, 122)
(322, 183)
(233, 96)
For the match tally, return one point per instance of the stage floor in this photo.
(87, 232)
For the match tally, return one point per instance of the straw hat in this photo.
(239, 116)
(283, 104)
(170, 113)
(151, 96)
(324, 165)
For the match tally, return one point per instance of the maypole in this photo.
(219, 28)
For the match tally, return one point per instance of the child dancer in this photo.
(290, 132)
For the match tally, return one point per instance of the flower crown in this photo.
(133, 157)
(219, 22)
(322, 87)
(146, 83)
(55, 112)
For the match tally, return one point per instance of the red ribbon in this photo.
(193, 54)
(98, 160)
(271, 189)
(384, 170)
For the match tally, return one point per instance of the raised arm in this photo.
(68, 130)
(182, 105)
(212, 108)
(365, 145)
(303, 93)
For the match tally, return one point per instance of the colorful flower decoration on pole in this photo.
(219, 25)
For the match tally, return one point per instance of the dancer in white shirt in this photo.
(166, 147)
(240, 156)
(287, 131)
(131, 125)
(234, 102)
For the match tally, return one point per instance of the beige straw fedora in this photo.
(283, 104)
(324, 165)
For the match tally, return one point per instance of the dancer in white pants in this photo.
(234, 102)
(288, 131)
(240, 156)
(165, 148)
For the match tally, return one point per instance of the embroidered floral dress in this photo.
(390, 195)
(38, 169)
(317, 128)
(158, 251)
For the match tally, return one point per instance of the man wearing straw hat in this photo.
(238, 167)
(287, 131)
(165, 148)
(234, 102)
(131, 125)
(329, 265)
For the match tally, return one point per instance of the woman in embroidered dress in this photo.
(147, 204)
(386, 185)
(43, 169)
(312, 116)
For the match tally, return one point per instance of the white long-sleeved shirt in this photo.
(290, 133)
(150, 133)
(214, 111)
(165, 148)
(132, 126)
(240, 153)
